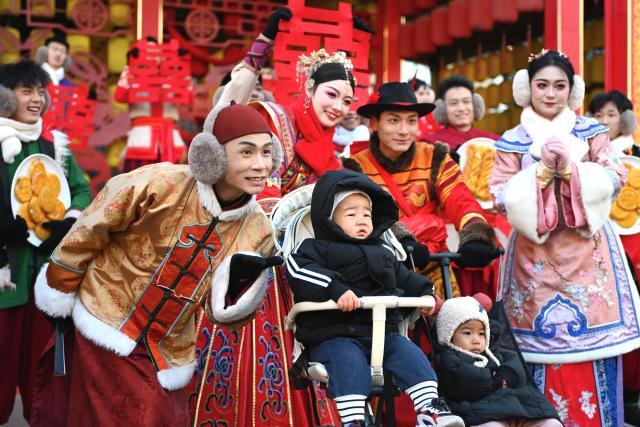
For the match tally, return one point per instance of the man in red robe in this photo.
(457, 108)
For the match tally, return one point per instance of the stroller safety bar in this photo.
(379, 305)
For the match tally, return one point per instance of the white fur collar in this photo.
(210, 203)
(541, 129)
(622, 143)
(56, 75)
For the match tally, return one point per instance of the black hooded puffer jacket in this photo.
(332, 263)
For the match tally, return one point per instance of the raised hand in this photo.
(271, 30)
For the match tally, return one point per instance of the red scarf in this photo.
(314, 143)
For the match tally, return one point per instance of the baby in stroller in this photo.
(486, 388)
(347, 260)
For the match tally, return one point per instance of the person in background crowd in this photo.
(426, 124)
(457, 107)
(24, 331)
(350, 130)
(55, 59)
(567, 289)
(615, 111)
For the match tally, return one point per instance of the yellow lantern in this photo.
(12, 52)
(482, 69)
(119, 13)
(506, 92)
(597, 69)
(520, 56)
(79, 43)
(506, 62)
(493, 95)
(43, 8)
(597, 33)
(469, 70)
(117, 49)
(494, 64)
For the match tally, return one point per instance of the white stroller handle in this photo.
(379, 305)
(367, 303)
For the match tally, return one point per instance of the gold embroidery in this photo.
(140, 250)
(98, 202)
(116, 210)
(81, 237)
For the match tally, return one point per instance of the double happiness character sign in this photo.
(311, 29)
(72, 113)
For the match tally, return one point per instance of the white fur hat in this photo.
(456, 311)
(341, 195)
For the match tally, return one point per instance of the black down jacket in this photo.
(332, 263)
(472, 394)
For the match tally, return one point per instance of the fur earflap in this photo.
(207, 158)
(8, 102)
(628, 122)
(521, 88)
(47, 103)
(277, 154)
(478, 107)
(440, 113)
(576, 97)
(42, 54)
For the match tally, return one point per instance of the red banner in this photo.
(160, 74)
(310, 29)
(72, 113)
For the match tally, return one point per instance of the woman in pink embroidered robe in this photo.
(566, 286)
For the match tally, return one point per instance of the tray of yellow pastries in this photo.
(39, 193)
(625, 211)
(477, 157)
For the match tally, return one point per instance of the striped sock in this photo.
(351, 407)
(422, 393)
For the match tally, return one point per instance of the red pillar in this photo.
(618, 56)
(564, 29)
(387, 61)
(149, 19)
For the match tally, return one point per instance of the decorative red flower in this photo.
(374, 98)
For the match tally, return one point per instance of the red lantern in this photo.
(480, 16)
(530, 5)
(504, 11)
(423, 41)
(439, 33)
(406, 40)
(459, 26)
(407, 7)
(426, 4)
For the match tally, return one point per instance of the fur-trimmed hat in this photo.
(42, 54)
(455, 312)
(227, 121)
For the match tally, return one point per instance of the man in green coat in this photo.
(24, 331)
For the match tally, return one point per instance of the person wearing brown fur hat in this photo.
(157, 244)
(24, 331)
(485, 385)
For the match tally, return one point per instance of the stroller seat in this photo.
(291, 221)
